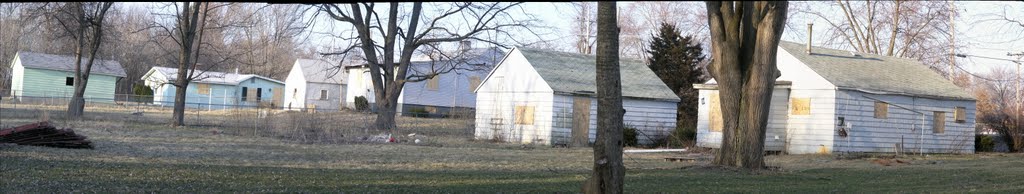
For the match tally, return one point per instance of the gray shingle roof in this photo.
(875, 73)
(320, 71)
(67, 63)
(211, 77)
(575, 73)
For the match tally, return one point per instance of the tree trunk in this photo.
(745, 40)
(178, 116)
(77, 105)
(609, 171)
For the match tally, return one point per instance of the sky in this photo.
(979, 36)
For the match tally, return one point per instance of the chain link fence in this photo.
(302, 125)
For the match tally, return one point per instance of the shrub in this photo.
(984, 143)
(680, 137)
(629, 135)
(419, 112)
(362, 104)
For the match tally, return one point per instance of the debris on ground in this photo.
(44, 134)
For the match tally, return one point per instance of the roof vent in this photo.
(854, 53)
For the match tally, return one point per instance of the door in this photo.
(278, 93)
(580, 121)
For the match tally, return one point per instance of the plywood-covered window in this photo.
(430, 109)
(432, 83)
(939, 122)
(474, 81)
(203, 89)
(715, 113)
(881, 110)
(800, 106)
(524, 115)
(960, 114)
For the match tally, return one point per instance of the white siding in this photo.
(811, 133)
(869, 134)
(653, 119)
(17, 82)
(513, 82)
(778, 114)
(453, 90)
(360, 84)
(294, 86)
(313, 95)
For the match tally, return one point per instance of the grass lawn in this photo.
(154, 158)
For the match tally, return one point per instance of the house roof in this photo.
(479, 60)
(320, 71)
(875, 73)
(67, 63)
(575, 74)
(211, 77)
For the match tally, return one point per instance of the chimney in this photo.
(810, 28)
(236, 70)
(465, 45)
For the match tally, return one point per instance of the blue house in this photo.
(216, 90)
(41, 76)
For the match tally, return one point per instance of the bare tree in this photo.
(744, 41)
(584, 26)
(82, 22)
(909, 29)
(996, 106)
(609, 172)
(388, 40)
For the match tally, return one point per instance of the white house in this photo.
(451, 90)
(831, 101)
(548, 97)
(314, 84)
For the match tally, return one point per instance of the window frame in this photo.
(324, 95)
(524, 115)
(881, 112)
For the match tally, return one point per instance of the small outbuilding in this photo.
(315, 84)
(833, 101)
(40, 75)
(548, 97)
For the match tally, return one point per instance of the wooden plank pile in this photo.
(43, 134)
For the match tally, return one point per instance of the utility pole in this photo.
(952, 40)
(1017, 113)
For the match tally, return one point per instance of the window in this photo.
(939, 123)
(474, 82)
(432, 83)
(960, 114)
(881, 110)
(259, 94)
(245, 93)
(323, 94)
(801, 106)
(70, 81)
(563, 118)
(715, 113)
(524, 115)
(203, 88)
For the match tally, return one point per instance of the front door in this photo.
(278, 96)
(580, 121)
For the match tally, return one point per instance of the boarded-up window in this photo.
(716, 112)
(800, 106)
(939, 123)
(474, 81)
(960, 114)
(881, 110)
(203, 88)
(524, 115)
(430, 109)
(432, 83)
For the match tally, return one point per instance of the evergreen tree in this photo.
(676, 60)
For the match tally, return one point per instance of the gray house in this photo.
(831, 101)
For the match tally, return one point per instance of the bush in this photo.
(362, 104)
(629, 136)
(419, 112)
(984, 143)
(680, 137)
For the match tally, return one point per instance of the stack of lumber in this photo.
(43, 134)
